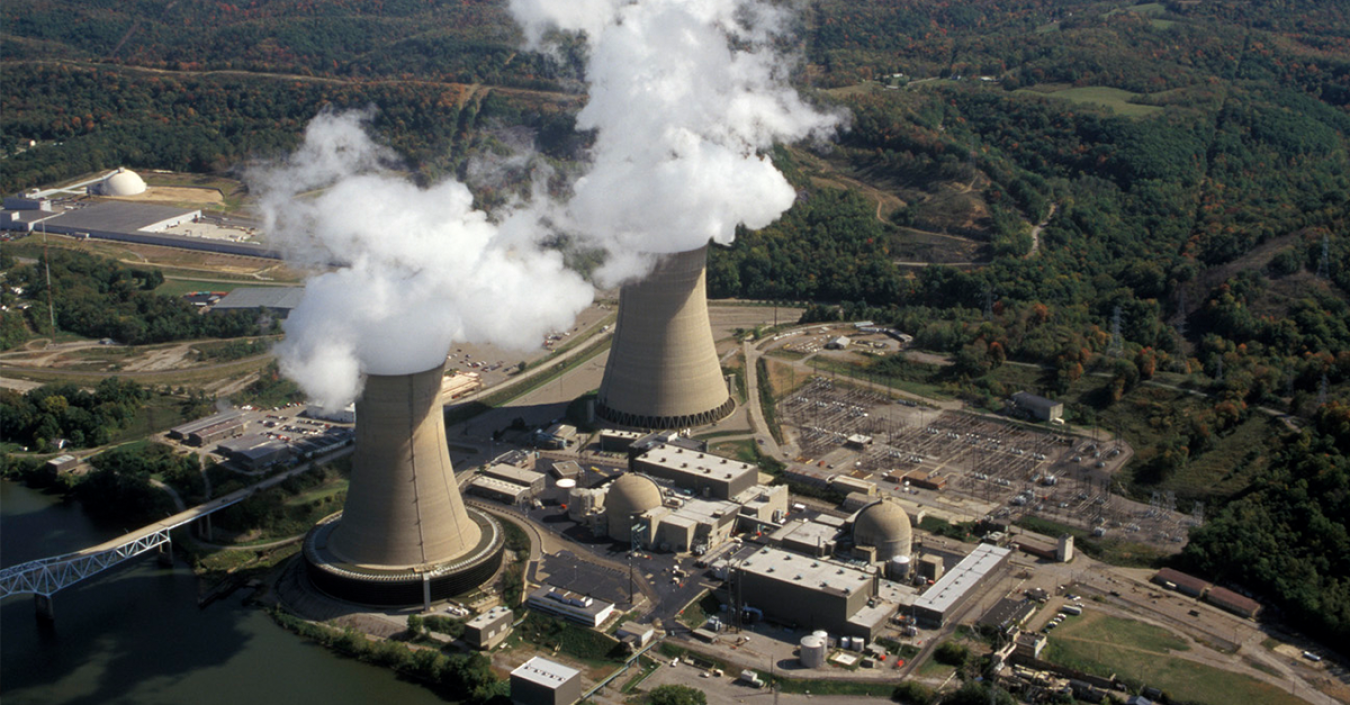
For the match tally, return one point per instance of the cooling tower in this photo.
(663, 370)
(404, 535)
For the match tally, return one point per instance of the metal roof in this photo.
(954, 584)
(544, 672)
(273, 297)
(119, 216)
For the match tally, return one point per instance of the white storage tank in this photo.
(898, 568)
(813, 651)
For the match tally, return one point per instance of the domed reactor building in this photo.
(663, 371)
(885, 529)
(629, 497)
(404, 536)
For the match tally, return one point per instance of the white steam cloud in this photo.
(417, 269)
(686, 96)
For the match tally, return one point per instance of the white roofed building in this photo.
(543, 682)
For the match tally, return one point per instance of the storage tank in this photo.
(898, 568)
(813, 651)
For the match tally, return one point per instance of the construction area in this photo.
(1015, 468)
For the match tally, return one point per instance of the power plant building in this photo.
(953, 589)
(690, 525)
(404, 536)
(811, 593)
(532, 480)
(701, 473)
(543, 682)
(210, 429)
(489, 629)
(663, 370)
(884, 528)
(571, 606)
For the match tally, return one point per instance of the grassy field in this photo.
(1114, 99)
(929, 389)
(1103, 645)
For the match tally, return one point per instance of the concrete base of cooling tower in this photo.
(399, 586)
(624, 418)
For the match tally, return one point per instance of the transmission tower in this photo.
(1218, 371)
(1322, 392)
(1198, 514)
(988, 304)
(1117, 342)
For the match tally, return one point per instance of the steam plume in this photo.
(685, 95)
(418, 269)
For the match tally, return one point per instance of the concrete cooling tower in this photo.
(663, 370)
(404, 536)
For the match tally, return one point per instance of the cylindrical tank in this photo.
(898, 568)
(813, 651)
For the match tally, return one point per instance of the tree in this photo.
(676, 695)
(952, 654)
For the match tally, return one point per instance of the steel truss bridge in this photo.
(46, 576)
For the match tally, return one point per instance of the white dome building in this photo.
(885, 526)
(123, 182)
(628, 496)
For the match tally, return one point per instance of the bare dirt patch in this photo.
(178, 194)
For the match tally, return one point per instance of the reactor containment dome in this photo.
(885, 526)
(404, 535)
(663, 370)
(629, 496)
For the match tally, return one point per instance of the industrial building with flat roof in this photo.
(530, 479)
(543, 682)
(702, 473)
(210, 429)
(1183, 583)
(693, 525)
(499, 490)
(571, 606)
(940, 601)
(256, 451)
(810, 592)
(1038, 407)
(808, 538)
(489, 629)
(279, 300)
(122, 221)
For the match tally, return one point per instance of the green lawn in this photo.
(1105, 645)
(1115, 99)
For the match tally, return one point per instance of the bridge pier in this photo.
(46, 607)
(166, 554)
(204, 529)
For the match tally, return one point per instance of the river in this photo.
(134, 635)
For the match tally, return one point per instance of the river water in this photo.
(134, 635)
